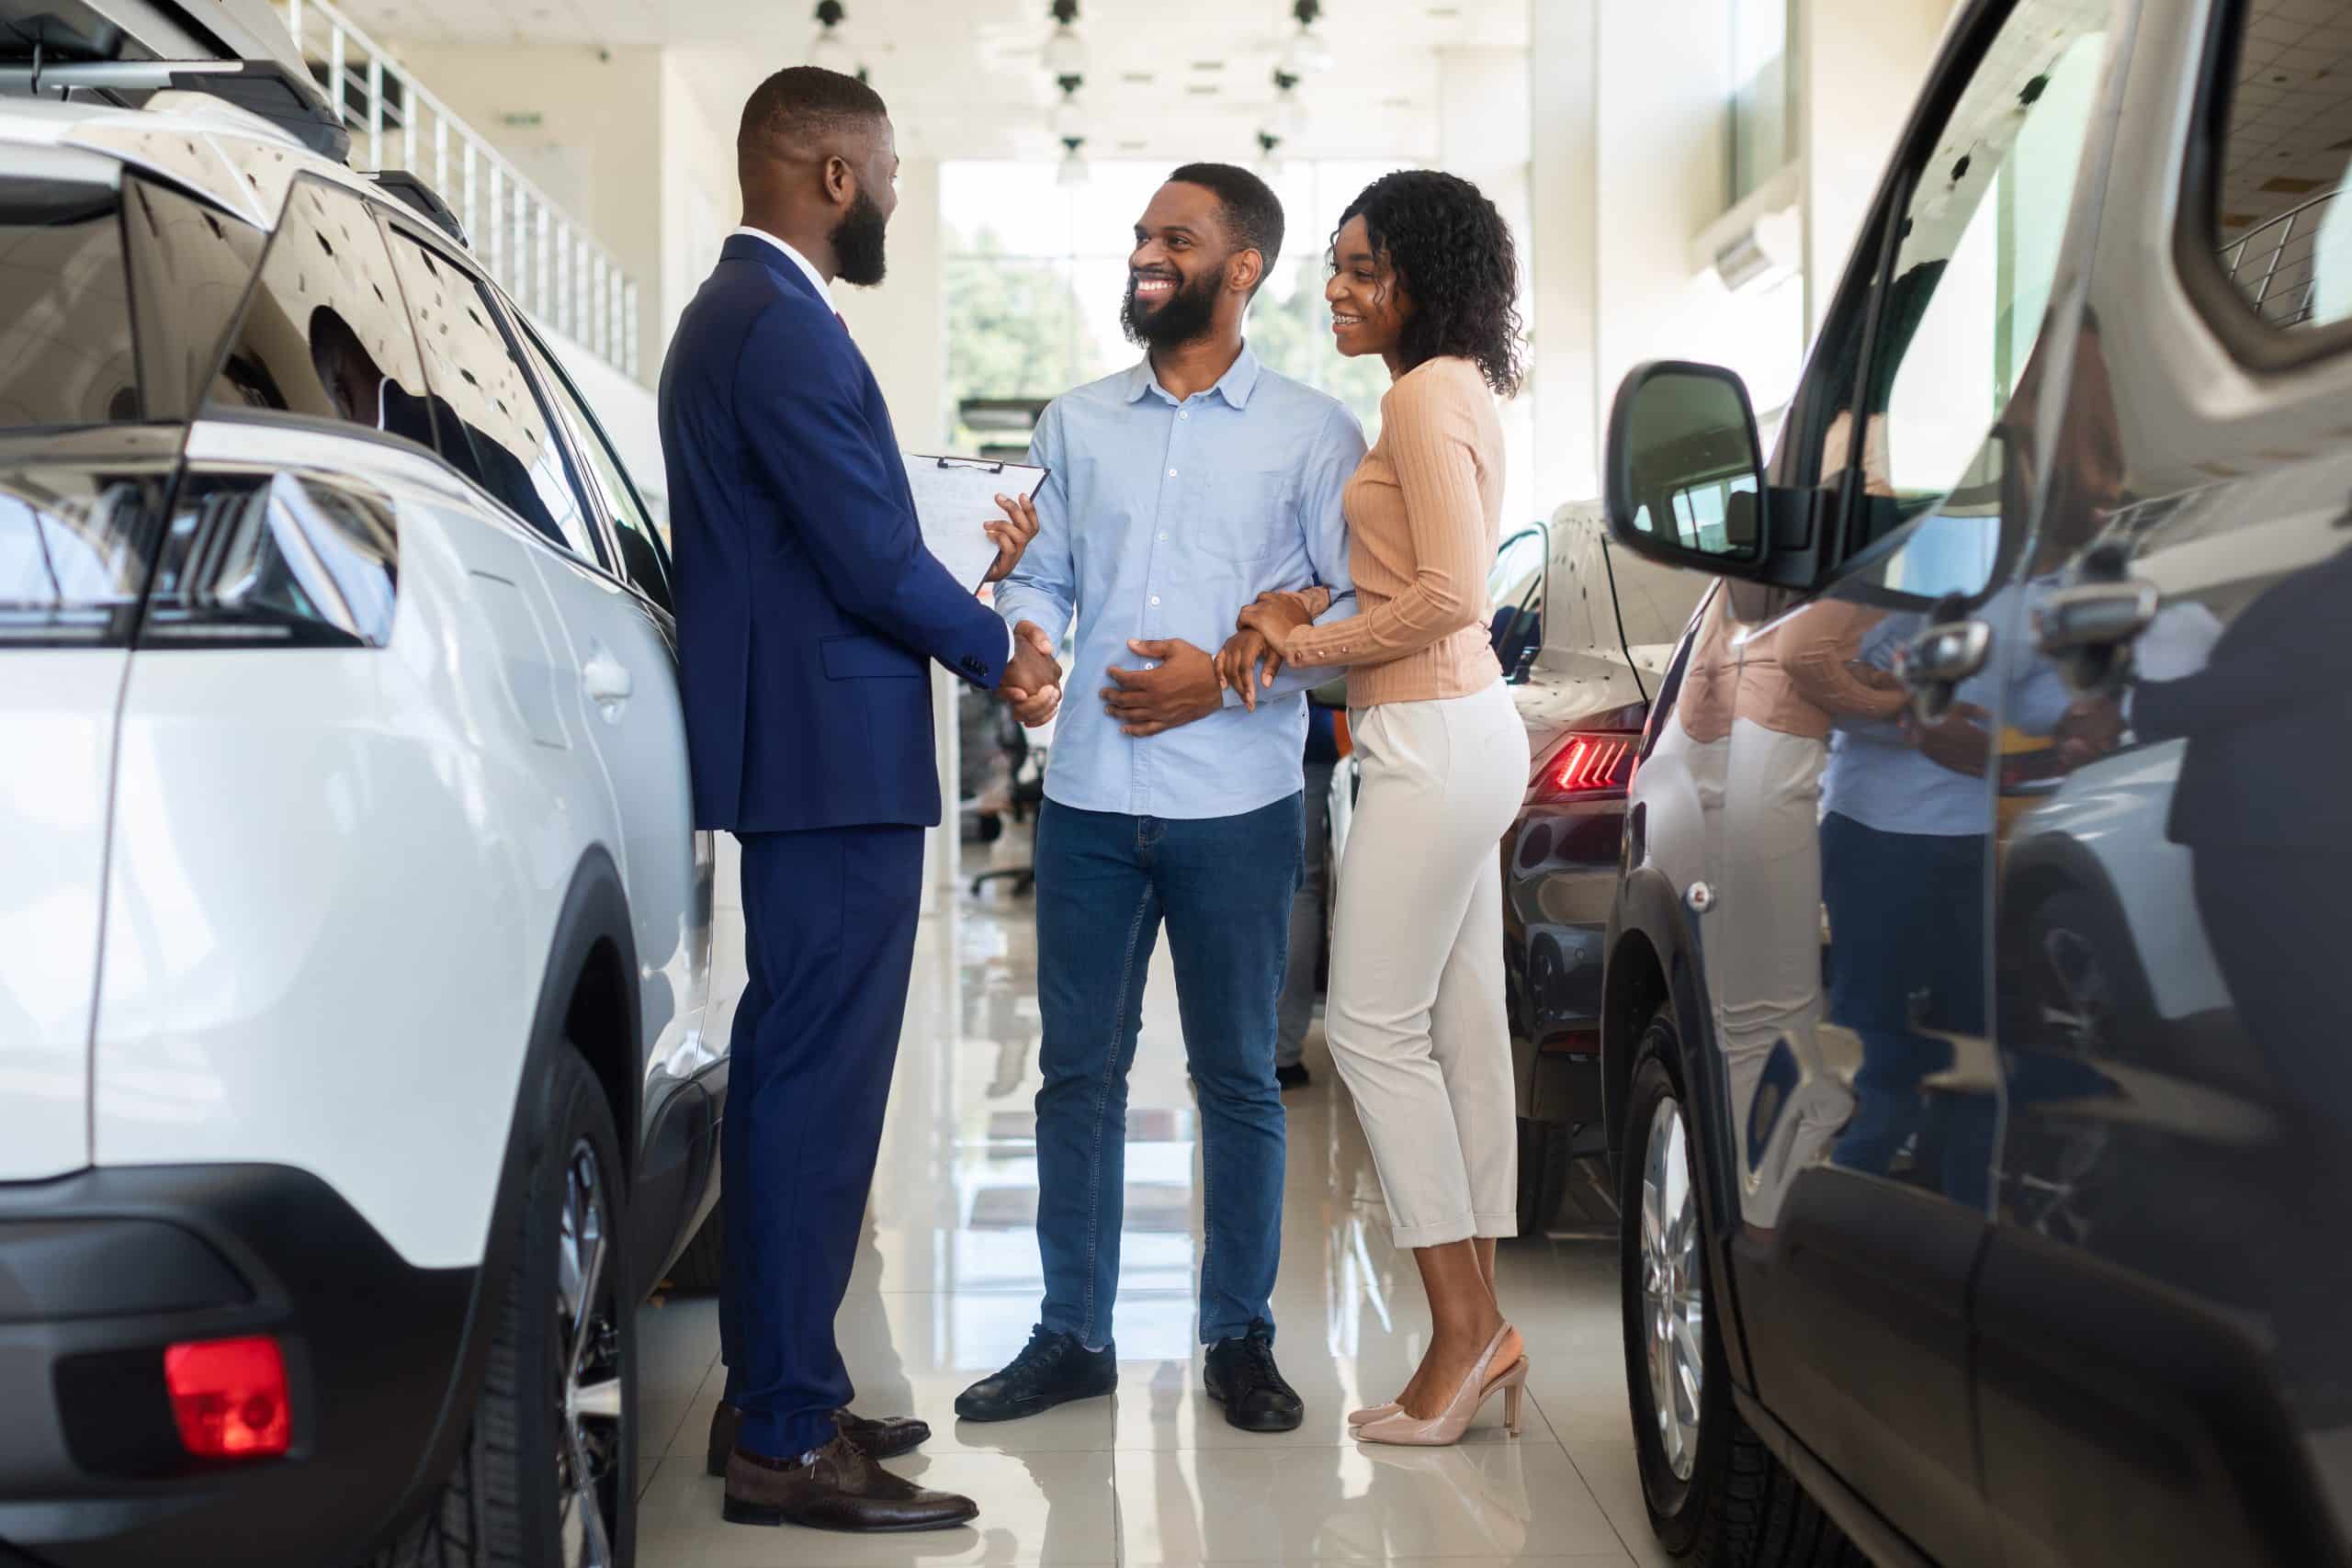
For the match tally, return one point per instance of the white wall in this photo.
(1564, 167)
(1628, 165)
(1485, 132)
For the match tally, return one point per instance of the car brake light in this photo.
(1588, 767)
(229, 1397)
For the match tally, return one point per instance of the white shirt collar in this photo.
(816, 279)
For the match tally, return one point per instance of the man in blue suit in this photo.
(808, 615)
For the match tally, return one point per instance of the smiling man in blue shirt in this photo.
(1180, 490)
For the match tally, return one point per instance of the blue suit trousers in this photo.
(829, 919)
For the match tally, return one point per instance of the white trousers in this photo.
(1416, 1018)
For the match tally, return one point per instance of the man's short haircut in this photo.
(796, 109)
(1252, 213)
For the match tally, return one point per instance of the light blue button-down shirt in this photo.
(1163, 519)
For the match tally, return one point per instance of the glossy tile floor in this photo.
(947, 1288)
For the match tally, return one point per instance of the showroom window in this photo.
(1763, 96)
(1036, 272)
(323, 335)
(492, 427)
(2285, 231)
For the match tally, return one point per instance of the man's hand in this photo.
(2092, 726)
(1236, 662)
(1011, 535)
(1957, 741)
(1032, 685)
(1184, 688)
(1275, 615)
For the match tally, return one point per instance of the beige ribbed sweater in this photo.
(1424, 515)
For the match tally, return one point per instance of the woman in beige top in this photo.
(1424, 274)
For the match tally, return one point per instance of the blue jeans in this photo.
(1105, 884)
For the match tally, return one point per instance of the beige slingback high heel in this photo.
(1446, 1427)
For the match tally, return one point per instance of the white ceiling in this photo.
(965, 78)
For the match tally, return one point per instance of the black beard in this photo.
(1185, 316)
(858, 242)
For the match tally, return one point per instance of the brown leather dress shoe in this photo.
(840, 1488)
(885, 1436)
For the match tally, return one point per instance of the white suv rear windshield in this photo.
(67, 355)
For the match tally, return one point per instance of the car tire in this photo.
(696, 1271)
(1543, 1173)
(548, 1473)
(1716, 1496)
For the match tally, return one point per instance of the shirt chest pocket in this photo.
(1241, 518)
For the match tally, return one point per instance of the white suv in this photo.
(354, 935)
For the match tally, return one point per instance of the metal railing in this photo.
(537, 251)
(2276, 262)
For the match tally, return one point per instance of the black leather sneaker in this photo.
(1054, 1368)
(1243, 1378)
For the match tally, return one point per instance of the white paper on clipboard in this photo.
(956, 500)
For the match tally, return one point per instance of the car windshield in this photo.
(67, 355)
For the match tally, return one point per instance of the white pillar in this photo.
(1485, 134)
(1846, 137)
(900, 327)
(1562, 320)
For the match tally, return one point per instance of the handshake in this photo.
(1031, 686)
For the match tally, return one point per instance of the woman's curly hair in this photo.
(1453, 255)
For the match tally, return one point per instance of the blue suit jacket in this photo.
(807, 607)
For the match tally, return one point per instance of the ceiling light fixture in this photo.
(1306, 53)
(1073, 166)
(1065, 52)
(1268, 166)
(1290, 110)
(1069, 118)
(829, 50)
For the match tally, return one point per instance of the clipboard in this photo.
(955, 499)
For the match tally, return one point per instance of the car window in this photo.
(190, 265)
(1519, 560)
(1977, 249)
(491, 425)
(66, 353)
(2283, 233)
(323, 335)
(644, 559)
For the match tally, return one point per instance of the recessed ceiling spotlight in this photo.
(1138, 78)
(1209, 65)
(1202, 89)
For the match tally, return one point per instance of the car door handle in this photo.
(1944, 655)
(2094, 614)
(606, 682)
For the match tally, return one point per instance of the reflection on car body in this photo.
(1973, 1027)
